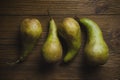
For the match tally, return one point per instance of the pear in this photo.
(70, 31)
(52, 48)
(30, 30)
(96, 49)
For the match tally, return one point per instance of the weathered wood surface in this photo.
(105, 12)
(39, 7)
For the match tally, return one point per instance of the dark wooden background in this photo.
(105, 12)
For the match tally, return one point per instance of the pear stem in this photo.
(48, 11)
(23, 56)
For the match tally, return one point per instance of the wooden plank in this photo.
(59, 7)
(34, 68)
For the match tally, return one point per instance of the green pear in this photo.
(52, 48)
(71, 33)
(31, 30)
(96, 49)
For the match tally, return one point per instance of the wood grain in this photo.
(59, 7)
(106, 13)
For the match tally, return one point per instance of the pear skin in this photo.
(52, 48)
(30, 30)
(96, 49)
(71, 33)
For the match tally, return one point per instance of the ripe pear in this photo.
(52, 48)
(96, 49)
(30, 30)
(71, 33)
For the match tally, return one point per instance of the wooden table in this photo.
(105, 12)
